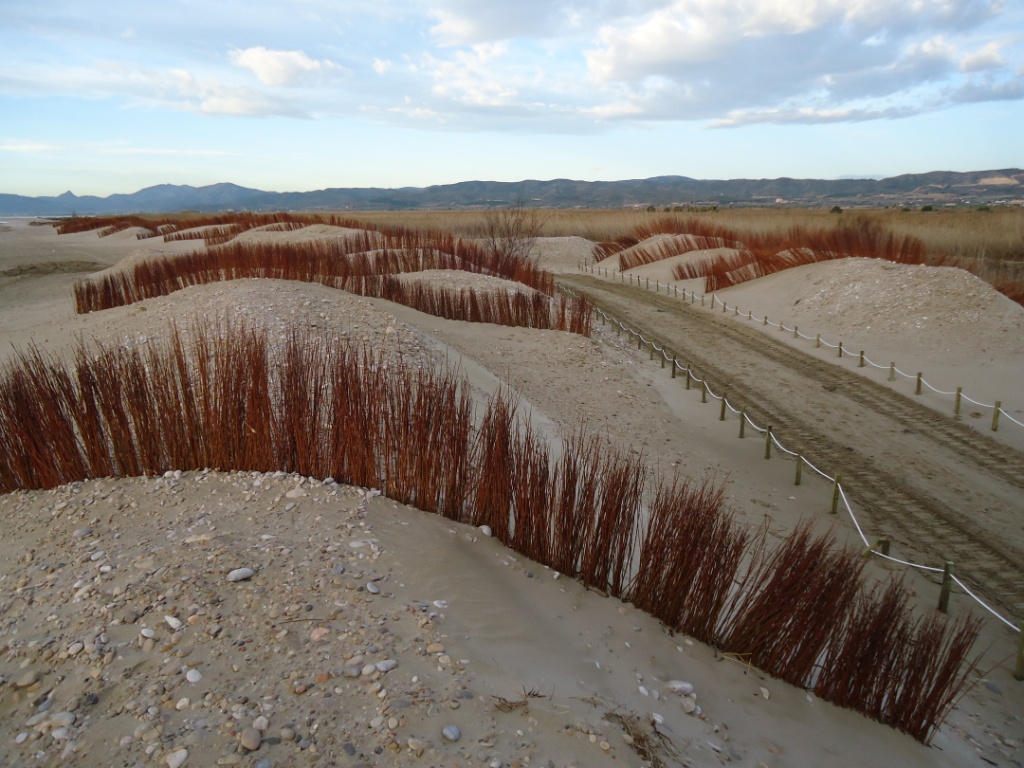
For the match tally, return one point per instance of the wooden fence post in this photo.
(673, 366)
(956, 403)
(1018, 673)
(768, 443)
(799, 468)
(835, 496)
(721, 414)
(917, 389)
(743, 422)
(840, 349)
(947, 586)
(704, 391)
(861, 363)
(892, 371)
(995, 416)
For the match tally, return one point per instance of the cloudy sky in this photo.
(115, 96)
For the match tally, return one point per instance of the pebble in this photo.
(193, 675)
(250, 739)
(486, 530)
(28, 679)
(261, 723)
(173, 622)
(416, 746)
(241, 574)
(680, 687)
(63, 719)
(386, 666)
(287, 734)
(451, 733)
(373, 589)
(176, 758)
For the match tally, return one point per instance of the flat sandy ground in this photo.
(370, 629)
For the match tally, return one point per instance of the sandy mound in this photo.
(367, 629)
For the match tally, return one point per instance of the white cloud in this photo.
(988, 56)
(279, 67)
(470, 76)
(27, 146)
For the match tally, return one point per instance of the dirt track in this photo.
(941, 490)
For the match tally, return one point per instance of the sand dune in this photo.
(497, 661)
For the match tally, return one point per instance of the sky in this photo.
(100, 98)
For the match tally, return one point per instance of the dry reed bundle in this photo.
(791, 601)
(222, 398)
(690, 558)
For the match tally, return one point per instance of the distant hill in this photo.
(936, 188)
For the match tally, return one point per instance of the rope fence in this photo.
(998, 412)
(877, 548)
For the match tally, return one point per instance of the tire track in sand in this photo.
(928, 481)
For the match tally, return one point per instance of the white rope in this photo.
(830, 479)
(853, 517)
(1019, 424)
(983, 405)
(933, 389)
(904, 562)
(983, 604)
(783, 448)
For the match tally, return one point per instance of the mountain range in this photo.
(935, 188)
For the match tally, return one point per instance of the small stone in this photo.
(147, 633)
(416, 746)
(29, 678)
(261, 723)
(435, 648)
(485, 530)
(386, 666)
(392, 723)
(182, 704)
(241, 574)
(287, 734)
(176, 758)
(451, 733)
(63, 719)
(373, 589)
(319, 634)
(75, 648)
(59, 734)
(173, 622)
(193, 675)
(250, 739)
(680, 687)
(688, 705)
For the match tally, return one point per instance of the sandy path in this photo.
(903, 465)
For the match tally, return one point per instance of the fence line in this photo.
(998, 411)
(870, 547)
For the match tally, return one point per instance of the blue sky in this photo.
(111, 97)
